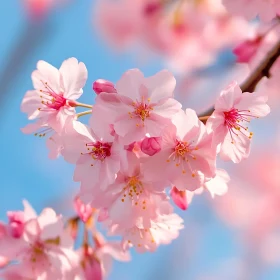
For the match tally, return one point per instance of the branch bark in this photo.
(263, 70)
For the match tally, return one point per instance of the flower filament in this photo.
(134, 190)
(182, 153)
(234, 119)
(99, 150)
(50, 99)
(141, 110)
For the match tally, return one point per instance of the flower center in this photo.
(99, 150)
(141, 110)
(37, 251)
(181, 156)
(234, 120)
(134, 190)
(50, 99)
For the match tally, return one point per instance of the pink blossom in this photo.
(84, 211)
(142, 105)
(42, 245)
(131, 199)
(54, 89)
(12, 233)
(151, 145)
(247, 49)
(233, 110)
(101, 85)
(179, 198)
(16, 223)
(186, 159)
(266, 10)
(95, 153)
(119, 21)
(97, 261)
(162, 231)
(259, 42)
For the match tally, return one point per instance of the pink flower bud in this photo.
(84, 210)
(16, 223)
(152, 8)
(101, 85)
(247, 49)
(93, 270)
(179, 198)
(151, 145)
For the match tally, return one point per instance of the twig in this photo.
(263, 70)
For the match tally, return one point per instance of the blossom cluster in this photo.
(180, 31)
(139, 149)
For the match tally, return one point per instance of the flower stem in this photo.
(83, 113)
(83, 105)
(204, 118)
(263, 70)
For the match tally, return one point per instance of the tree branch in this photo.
(263, 70)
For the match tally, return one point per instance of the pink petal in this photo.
(130, 83)
(74, 76)
(46, 73)
(179, 198)
(160, 86)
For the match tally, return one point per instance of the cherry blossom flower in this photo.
(247, 49)
(96, 154)
(257, 44)
(266, 10)
(55, 90)
(119, 21)
(44, 250)
(162, 231)
(132, 199)
(186, 158)
(233, 110)
(142, 105)
(181, 31)
(13, 231)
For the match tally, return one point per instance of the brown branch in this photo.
(263, 70)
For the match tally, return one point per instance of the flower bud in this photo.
(152, 8)
(16, 223)
(93, 269)
(151, 145)
(179, 198)
(83, 210)
(247, 49)
(101, 85)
